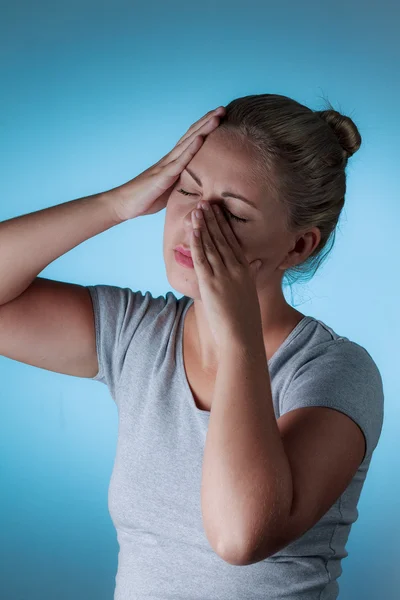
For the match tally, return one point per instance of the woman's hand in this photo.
(148, 193)
(226, 279)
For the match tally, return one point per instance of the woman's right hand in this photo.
(148, 193)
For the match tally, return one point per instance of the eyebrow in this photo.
(223, 194)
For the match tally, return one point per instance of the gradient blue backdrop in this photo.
(93, 93)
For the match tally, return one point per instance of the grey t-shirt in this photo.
(154, 493)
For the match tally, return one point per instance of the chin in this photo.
(182, 280)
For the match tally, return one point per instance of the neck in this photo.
(276, 324)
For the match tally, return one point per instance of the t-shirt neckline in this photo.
(297, 329)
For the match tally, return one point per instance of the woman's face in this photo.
(225, 164)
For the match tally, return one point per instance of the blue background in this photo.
(92, 94)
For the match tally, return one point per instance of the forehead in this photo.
(226, 157)
(229, 161)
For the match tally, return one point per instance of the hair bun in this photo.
(346, 131)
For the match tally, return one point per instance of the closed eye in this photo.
(232, 216)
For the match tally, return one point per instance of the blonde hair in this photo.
(303, 155)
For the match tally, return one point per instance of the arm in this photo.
(246, 479)
(253, 504)
(29, 243)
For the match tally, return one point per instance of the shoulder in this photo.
(342, 375)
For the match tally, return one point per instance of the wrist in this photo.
(114, 201)
(245, 344)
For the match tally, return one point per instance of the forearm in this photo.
(246, 479)
(30, 242)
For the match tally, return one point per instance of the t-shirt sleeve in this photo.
(341, 375)
(118, 314)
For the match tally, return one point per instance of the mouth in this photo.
(183, 257)
(183, 251)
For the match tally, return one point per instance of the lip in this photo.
(183, 250)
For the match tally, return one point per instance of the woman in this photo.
(246, 428)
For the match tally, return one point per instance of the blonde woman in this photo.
(246, 428)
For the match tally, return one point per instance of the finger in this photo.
(206, 128)
(175, 167)
(199, 257)
(216, 246)
(182, 155)
(179, 149)
(228, 233)
(198, 124)
(209, 245)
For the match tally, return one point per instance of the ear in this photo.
(304, 245)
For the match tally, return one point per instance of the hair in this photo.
(303, 156)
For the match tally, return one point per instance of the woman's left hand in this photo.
(227, 281)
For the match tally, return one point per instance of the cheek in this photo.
(269, 244)
(174, 215)
(174, 223)
(278, 246)
(170, 201)
(175, 205)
